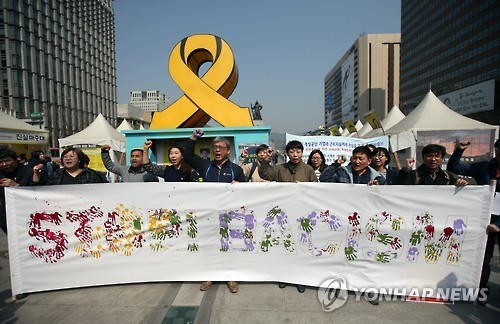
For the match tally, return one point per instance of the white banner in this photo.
(333, 146)
(380, 236)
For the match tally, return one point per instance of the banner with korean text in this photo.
(333, 146)
(304, 233)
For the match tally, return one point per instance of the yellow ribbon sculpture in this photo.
(205, 97)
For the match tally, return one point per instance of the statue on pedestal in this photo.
(256, 108)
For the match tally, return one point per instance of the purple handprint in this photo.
(250, 221)
(282, 219)
(222, 220)
(459, 226)
(249, 244)
(333, 222)
(412, 253)
(224, 244)
(267, 221)
(312, 218)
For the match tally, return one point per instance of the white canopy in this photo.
(15, 131)
(431, 114)
(99, 132)
(124, 126)
(365, 129)
(393, 117)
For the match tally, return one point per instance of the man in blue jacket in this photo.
(483, 172)
(220, 169)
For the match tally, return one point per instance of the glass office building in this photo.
(58, 63)
(451, 46)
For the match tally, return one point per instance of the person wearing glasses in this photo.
(251, 170)
(220, 169)
(429, 172)
(358, 171)
(317, 161)
(380, 162)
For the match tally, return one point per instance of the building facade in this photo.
(135, 116)
(150, 100)
(365, 79)
(452, 47)
(58, 63)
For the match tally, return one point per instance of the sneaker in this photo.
(232, 286)
(205, 285)
(301, 288)
(282, 285)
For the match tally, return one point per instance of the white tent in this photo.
(430, 115)
(124, 126)
(99, 132)
(393, 117)
(15, 131)
(365, 129)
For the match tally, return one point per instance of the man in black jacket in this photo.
(220, 169)
(12, 174)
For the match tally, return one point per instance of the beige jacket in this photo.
(247, 168)
(288, 172)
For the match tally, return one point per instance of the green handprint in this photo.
(350, 253)
(192, 231)
(224, 232)
(383, 257)
(264, 245)
(175, 220)
(227, 218)
(306, 225)
(137, 224)
(193, 247)
(416, 237)
(385, 239)
(274, 211)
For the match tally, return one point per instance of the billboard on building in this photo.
(348, 88)
(473, 99)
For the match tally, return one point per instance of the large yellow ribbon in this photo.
(204, 97)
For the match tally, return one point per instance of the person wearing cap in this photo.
(251, 170)
(134, 172)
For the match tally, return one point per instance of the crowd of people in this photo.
(368, 165)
